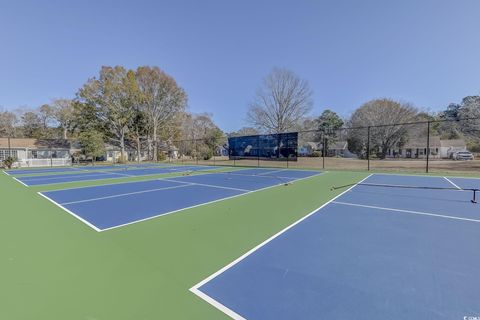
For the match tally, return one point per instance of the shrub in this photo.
(122, 159)
(161, 156)
(8, 162)
(207, 154)
(316, 154)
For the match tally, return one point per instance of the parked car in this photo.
(462, 155)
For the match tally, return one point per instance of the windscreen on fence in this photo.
(282, 146)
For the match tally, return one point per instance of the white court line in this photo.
(451, 182)
(207, 185)
(166, 213)
(20, 182)
(8, 174)
(120, 174)
(195, 289)
(270, 172)
(124, 194)
(37, 178)
(121, 182)
(202, 204)
(406, 211)
(422, 175)
(71, 213)
(233, 173)
(94, 178)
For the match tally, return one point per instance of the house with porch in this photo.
(36, 152)
(416, 148)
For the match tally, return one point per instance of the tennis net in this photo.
(473, 191)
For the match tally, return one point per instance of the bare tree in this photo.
(162, 100)
(282, 101)
(380, 112)
(8, 122)
(31, 124)
(64, 115)
(245, 131)
(47, 115)
(201, 135)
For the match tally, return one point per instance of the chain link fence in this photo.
(439, 146)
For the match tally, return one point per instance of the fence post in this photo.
(324, 149)
(428, 145)
(138, 150)
(196, 152)
(288, 148)
(368, 148)
(51, 159)
(214, 151)
(258, 150)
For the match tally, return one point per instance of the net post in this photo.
(428, 146)
(368, 148)
(474, 200)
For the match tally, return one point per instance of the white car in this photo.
(462, 155)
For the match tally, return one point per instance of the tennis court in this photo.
(380, 250)
(17, 172)
(387, 247)
(103, 173)
(110, 206)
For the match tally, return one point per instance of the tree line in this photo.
(146, 109)
(143, 109)
(284, 101)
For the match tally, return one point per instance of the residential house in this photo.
(337, 149)
(416, 148)
(113, 153)
(334, 149)
(36, 152)
(448, 147)
(221, 151)
(308, 148)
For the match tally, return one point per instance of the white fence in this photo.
(54, 162)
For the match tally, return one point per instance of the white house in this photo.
(416, 148)
(308, 148)
(36, 152)
(448, 147)
(113, 153)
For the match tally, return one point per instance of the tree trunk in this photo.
(138, 147)
(122, 146)
(65, 133)
(149, 147)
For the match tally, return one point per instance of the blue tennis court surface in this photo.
(110, 206)
(99, 175)
(16, 172)
(372, 253)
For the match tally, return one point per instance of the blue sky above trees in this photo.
(424, 52)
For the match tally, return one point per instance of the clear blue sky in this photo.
(422, 51)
